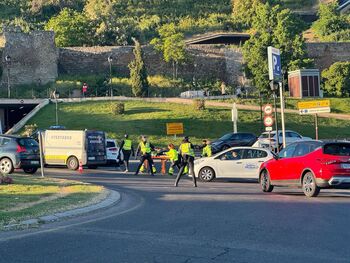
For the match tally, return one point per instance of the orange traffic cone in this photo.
(80, 167)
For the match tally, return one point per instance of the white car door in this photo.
(251, 162)
(229, 164)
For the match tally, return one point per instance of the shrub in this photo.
(29, 129)
(118, 108)
(199, 104)
(337, 79)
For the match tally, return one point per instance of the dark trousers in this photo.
(176, 163)
(187, 160)
(143, 158)
(127, 154)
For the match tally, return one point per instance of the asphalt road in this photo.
(222, 221)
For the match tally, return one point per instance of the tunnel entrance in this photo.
(11, 112)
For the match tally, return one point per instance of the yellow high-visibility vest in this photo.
(145, 147)
(185, 148)
(127, 145)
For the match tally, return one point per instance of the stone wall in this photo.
(209, 62)
(33, 57)
(325, 54)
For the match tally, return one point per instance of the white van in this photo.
(68, 147)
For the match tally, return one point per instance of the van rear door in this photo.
(95, 147)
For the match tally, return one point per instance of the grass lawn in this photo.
(30, 197)
(151, 118)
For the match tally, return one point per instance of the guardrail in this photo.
(22, 122)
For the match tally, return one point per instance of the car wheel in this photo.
(31, 170)
(72, 163)
(309, 185)
(206, 174)
(6, 166)
(265, 181)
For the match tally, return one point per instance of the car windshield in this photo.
(266, 135)
(226, 137)
(340, 149)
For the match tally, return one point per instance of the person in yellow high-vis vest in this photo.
(127, 149)
(206, 152)
(187, 152)
(174, 158)
(145, 148)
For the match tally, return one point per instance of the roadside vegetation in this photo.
(150, 119)
(30, 197)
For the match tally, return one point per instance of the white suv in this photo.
(267, 140)
(112, 149)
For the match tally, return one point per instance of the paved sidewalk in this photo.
(112, 198)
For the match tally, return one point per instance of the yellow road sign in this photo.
(314, 104)
(174, 128)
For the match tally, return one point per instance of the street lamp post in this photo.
(110, 60)
(56, 96)
(8, 63)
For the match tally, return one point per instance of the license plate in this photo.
(345, 165)
(34, 162)
(91, 158)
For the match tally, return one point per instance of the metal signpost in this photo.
(234, 113)
(314, 107)
(276, 76)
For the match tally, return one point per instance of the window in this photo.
(255, 154)
(302, 149)
(110, 144)
(232, 155)
(340, 149)
(4, 141)
(293, 135)
(288, 151)
(27, 142)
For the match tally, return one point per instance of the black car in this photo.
(233, 139)
(18, 153)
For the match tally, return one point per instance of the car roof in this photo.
(279, 131)
(12, 136)
(244, 148)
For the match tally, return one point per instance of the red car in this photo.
(311, 165)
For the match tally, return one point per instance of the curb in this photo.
(112, 198)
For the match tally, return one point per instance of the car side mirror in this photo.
(276, 157)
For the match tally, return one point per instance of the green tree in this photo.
(332, 25)
(138, 73)
(71, 28)
(276, 27)
(337, 79)
(172, 45)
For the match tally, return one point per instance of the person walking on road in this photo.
(174, 158)
(206, 149)
(187, 154)
(127, 149)
(146, 149)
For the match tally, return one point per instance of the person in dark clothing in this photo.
(146, 149)
(186, 150)
(127, 149)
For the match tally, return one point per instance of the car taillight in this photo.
(20, 149)
(113, 149)
(330, 161)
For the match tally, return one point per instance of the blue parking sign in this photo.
(275, 67)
